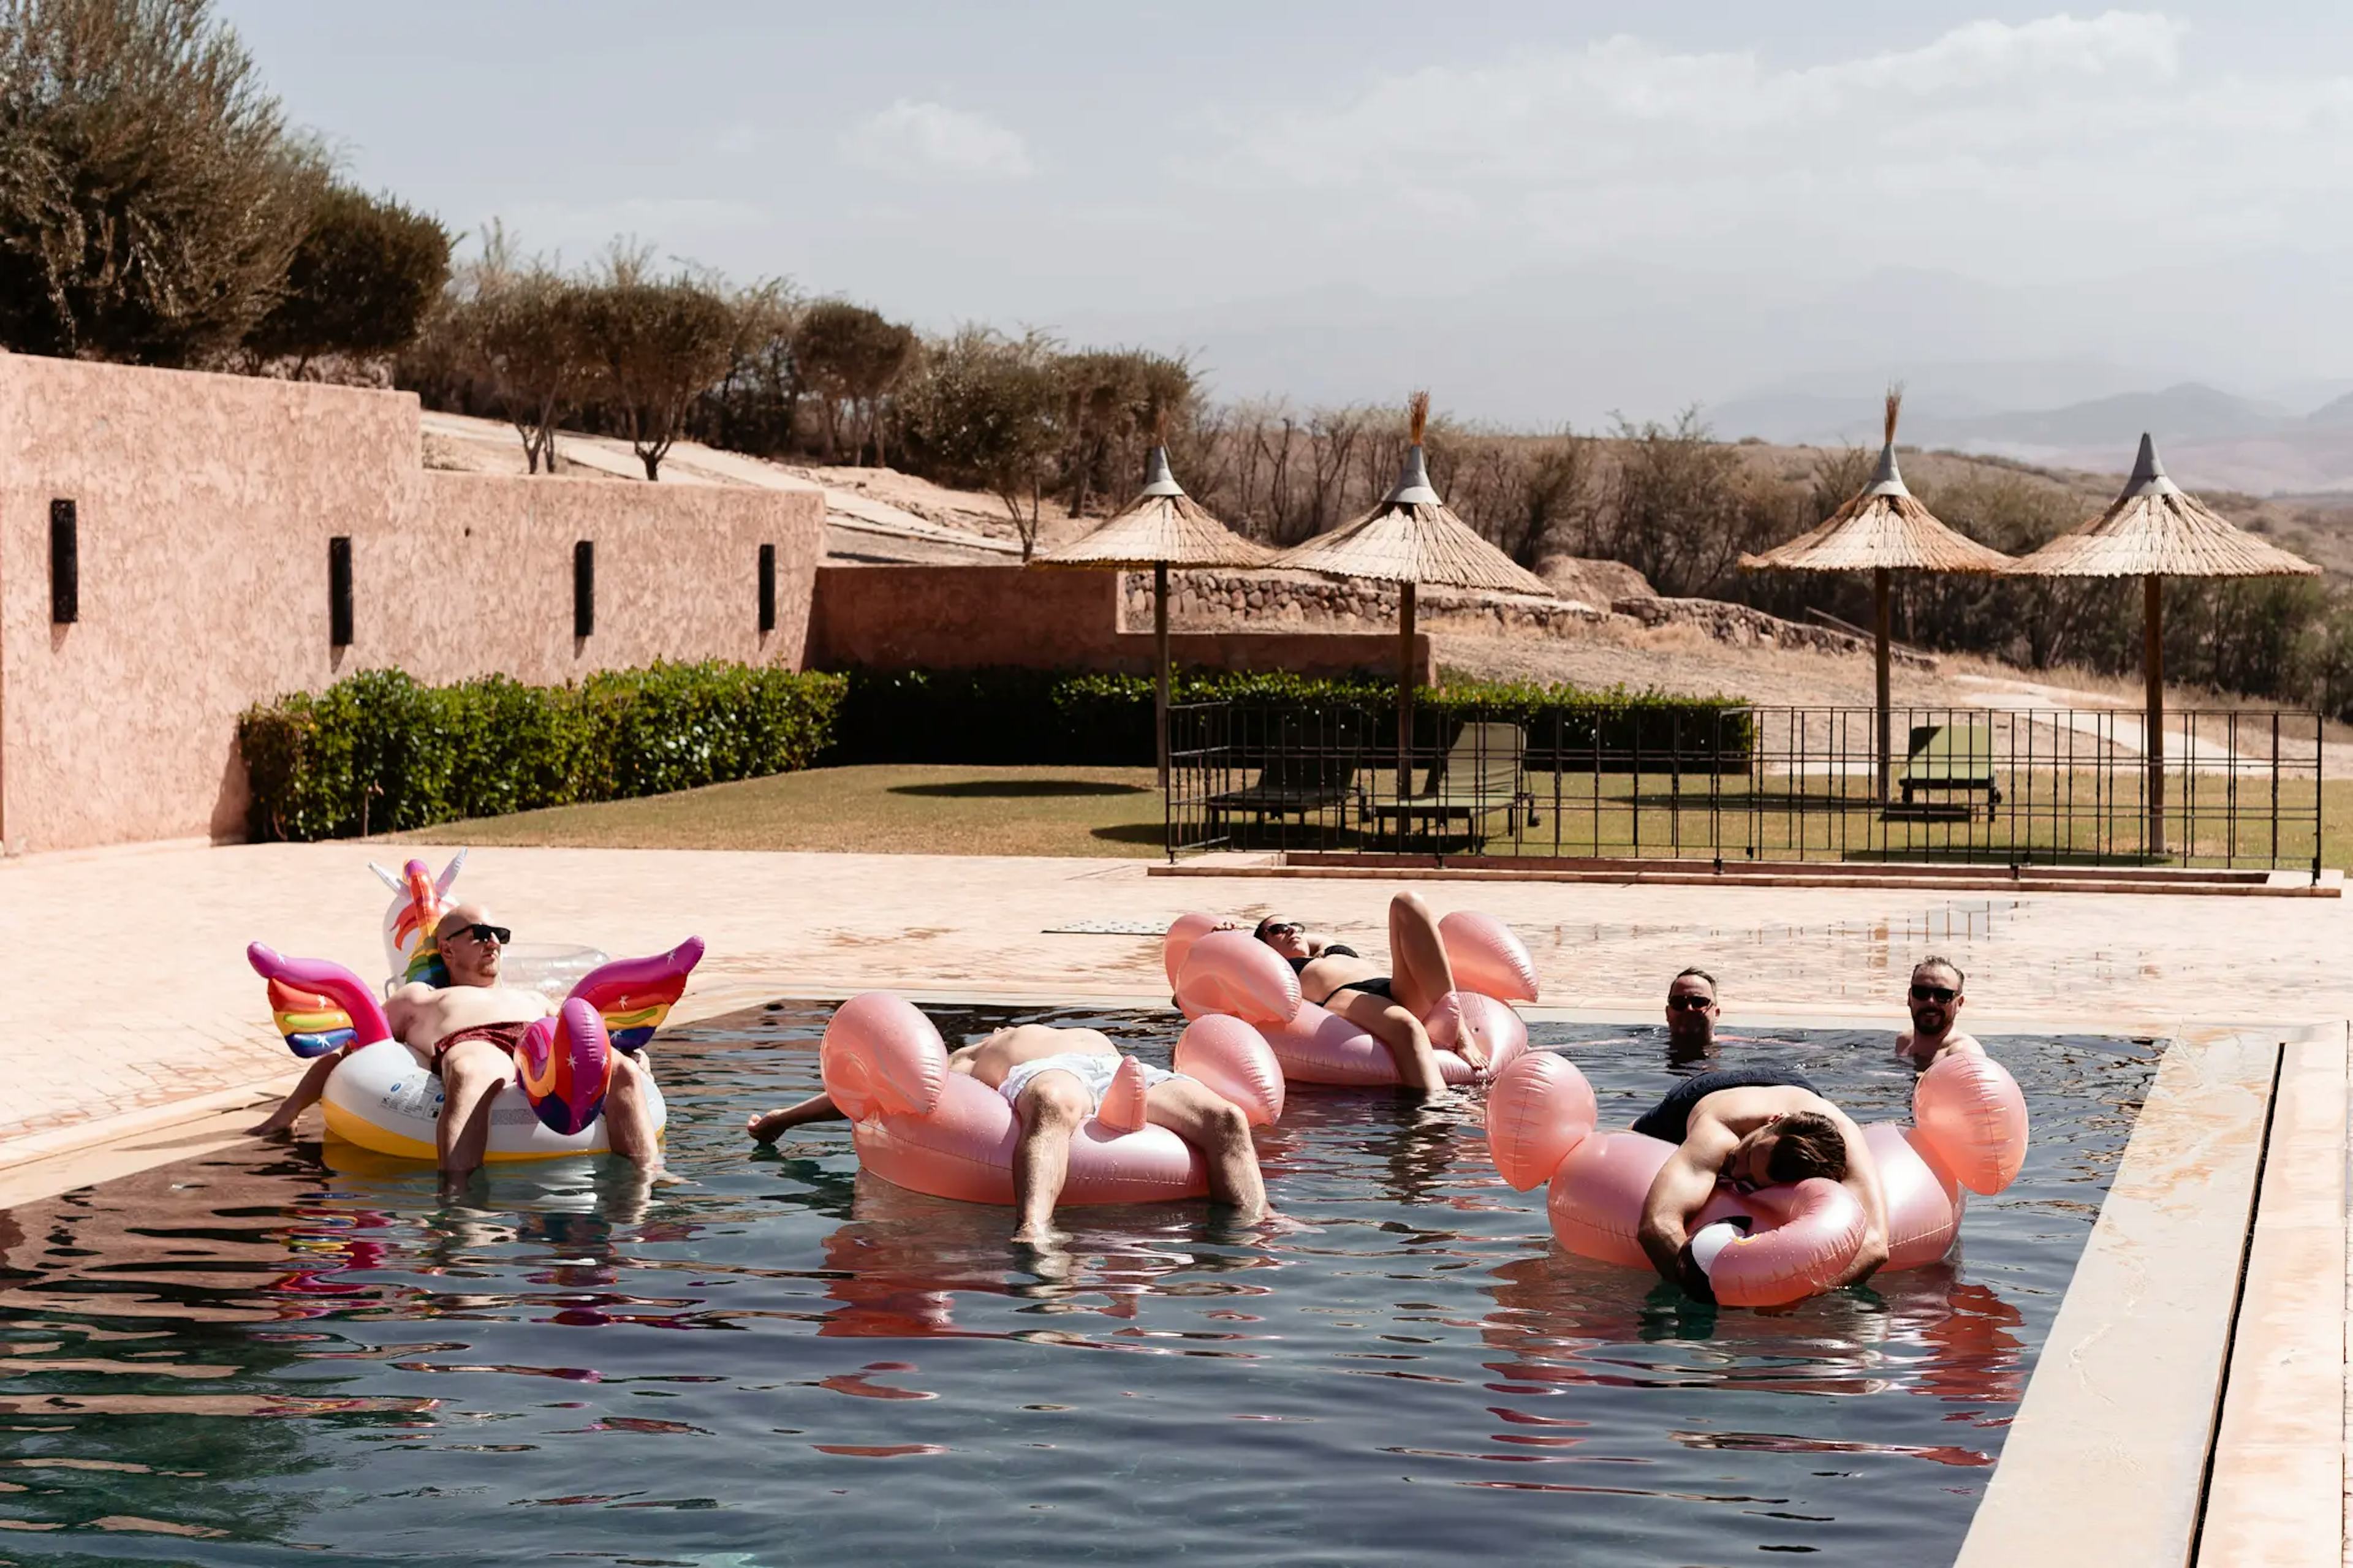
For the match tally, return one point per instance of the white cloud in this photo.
(1990, 146)
(931, 140)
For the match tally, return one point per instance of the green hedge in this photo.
(379, 752)
(1007, 716)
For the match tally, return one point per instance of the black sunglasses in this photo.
(1280, 928)
(481, 933)
(1690, 1003)
(1933, 994)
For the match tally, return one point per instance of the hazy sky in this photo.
(1550, 210)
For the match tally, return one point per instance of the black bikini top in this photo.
(1338, 950)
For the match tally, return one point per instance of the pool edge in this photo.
(2132, 1399)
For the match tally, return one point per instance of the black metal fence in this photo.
(2011, 787)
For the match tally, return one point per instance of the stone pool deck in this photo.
(129, 1010)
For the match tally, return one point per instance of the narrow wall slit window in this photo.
(583, 588)
(768, 588)
(65, 564)
(339, 592)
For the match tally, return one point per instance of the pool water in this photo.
(251, 1358)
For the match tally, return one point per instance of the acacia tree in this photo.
(151, 194)
(529, 334)
(757, 401)
(361, 281)
(1111, 399)
(656, 345)
(851, 358)
(985, 409)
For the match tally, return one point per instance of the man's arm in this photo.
(1677, 1193)
(1862, 1181)
(400, 1007)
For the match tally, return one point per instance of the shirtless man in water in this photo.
(1054, 1078)
(465, 1031)
(1935, 1002)
(1390, 1007)
(1750, 1127)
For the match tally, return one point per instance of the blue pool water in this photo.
(251, 1358)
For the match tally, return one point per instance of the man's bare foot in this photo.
(277, 1126)
(1272, 1223)
(1042, 1237)
(664, 1176)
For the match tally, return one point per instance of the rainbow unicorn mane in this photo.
(420, 899)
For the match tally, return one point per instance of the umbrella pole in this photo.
(1879, 595)
(1160, 664)
(2152, 660)
(1405, 694)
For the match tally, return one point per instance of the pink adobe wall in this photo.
(206, 503)
(971, 617)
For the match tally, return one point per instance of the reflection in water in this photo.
(267, 1353)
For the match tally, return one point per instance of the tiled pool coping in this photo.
(2190, 1406)
(2187, 1407)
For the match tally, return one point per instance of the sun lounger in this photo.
(1301, 775)
(1950, 759)
(1482, 774)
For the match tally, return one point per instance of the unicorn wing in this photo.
(635, 994)
(317, 1005)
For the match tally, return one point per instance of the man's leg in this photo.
(1423, 974)
(629, 1116)
(764, 1126)
(306, 1094)
(472, 1073)
(1401, 1032)
(1217, 1127)
(1051, 1108)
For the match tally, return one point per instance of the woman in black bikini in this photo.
(1390, 1007)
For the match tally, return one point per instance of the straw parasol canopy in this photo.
(1883, 528)
(1413, 537)
(2155, 529)
(1163, 527)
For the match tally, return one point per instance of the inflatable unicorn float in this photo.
(378, 1096)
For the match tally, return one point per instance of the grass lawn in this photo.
(879, 809)
(1116, 811)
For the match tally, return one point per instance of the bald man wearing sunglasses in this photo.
(465, 1031)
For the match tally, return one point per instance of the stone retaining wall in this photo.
(1202, 601)
(1742, 626)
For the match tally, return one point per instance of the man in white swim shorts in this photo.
(1054, 1079)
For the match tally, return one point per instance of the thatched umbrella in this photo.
(1413, 538)
(1163, 528)
(2153, 530)
(1883, 530)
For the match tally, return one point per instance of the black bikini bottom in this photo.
(1379, 986)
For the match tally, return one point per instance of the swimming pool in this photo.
(251, 1359)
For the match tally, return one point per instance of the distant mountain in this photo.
(2208, 437)
(2333, 415)
(2189, 411)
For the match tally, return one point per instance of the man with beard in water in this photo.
(1935, 1002)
